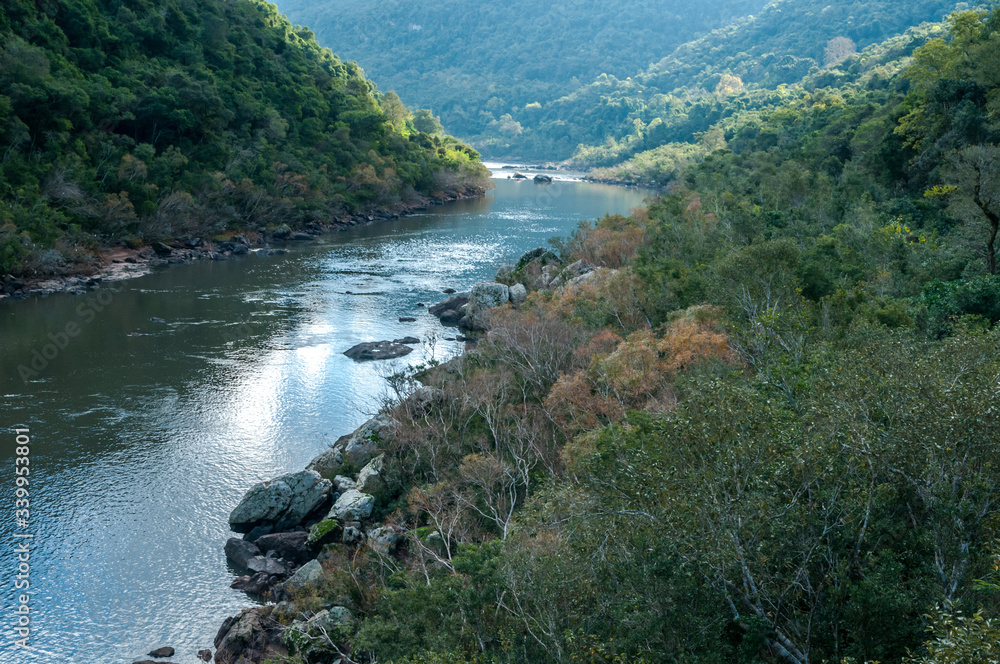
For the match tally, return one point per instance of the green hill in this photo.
(474, 63)
(538, 81)
(155, 119)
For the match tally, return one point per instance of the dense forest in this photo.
(619, 79)
(143, 120)
(763, 427)
(477, 63)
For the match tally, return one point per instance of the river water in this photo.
(181, 389)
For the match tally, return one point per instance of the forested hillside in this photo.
(141, 120)
(475, 63)
(597, 74)
(755, 422)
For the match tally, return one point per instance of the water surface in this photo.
(147, 433)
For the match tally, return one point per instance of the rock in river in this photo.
(284, 502)
(166, 651)
(377, 350)
(240, 552)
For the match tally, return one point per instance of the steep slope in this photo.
(143, 120)
(675, 97)
(475, 62)
(522, 79)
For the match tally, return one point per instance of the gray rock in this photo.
(423, 399)
(353, 535)
(257, 532)
(342, 484)
(205, 655)
(240, 551)
(283, 502)
(251, 636)
(384, 540)
(518, 294)
(487, 295)
(309, 574)
(357, 448)
(370, 478)
(451, 304)
(587, 277)
(267, 565)
(570, 272)
(253, 585)
(352, 506)
(377, 350)
(289, 546)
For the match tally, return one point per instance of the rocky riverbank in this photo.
(296, 527)
(120, 263)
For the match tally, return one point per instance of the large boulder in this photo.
(266, 564)
(450, 311)
(310, 574)
(355, 449)
(284, 502)
(518, 294)
(487, 295)
(291, 547)
(254, 585)
(352, 506)
(250, 636)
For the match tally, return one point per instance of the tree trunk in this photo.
(994, 218)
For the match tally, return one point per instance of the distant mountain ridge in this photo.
(475, 62)
(763, 44)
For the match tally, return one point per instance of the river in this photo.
(155, 403)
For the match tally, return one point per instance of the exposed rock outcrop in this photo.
(250, 636)
(352, 506)
(284, 502)
(355, 449)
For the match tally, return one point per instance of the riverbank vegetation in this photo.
(167, 119)
(756, 422)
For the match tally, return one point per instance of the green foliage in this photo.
(603, 82)
(167, 118)
(490, 68)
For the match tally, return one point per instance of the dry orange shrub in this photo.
(695, 336)
(613, 242)
(637, 373)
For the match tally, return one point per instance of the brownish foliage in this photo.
(635, 373)
(612, 243)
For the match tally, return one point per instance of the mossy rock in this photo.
(324, 532)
